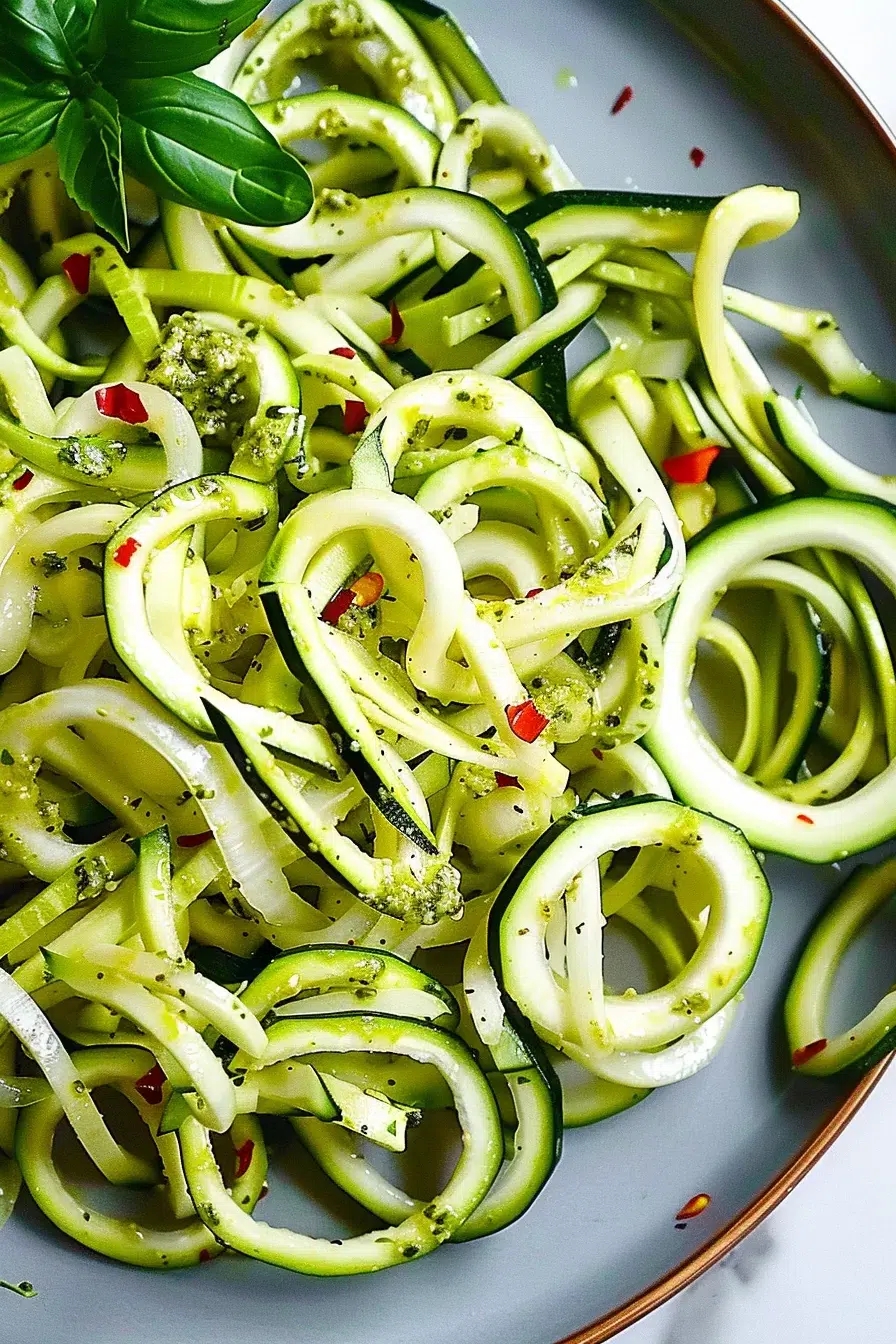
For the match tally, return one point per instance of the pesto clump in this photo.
(208, 371)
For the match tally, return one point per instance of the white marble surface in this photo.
(821, 1269)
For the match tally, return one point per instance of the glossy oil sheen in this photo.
(603, 1229)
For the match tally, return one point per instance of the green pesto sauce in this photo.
(208, 371)
(92, 457)
(422, 897)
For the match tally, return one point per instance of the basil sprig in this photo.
(109, 81)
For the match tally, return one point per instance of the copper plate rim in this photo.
(786, 1180)
(735, 1231)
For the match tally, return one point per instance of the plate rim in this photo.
(787, 1179)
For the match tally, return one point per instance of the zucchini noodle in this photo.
(350, 627)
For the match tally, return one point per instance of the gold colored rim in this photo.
(779, 1188)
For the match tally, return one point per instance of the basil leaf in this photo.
(167, 37)
(201, 146)
(58, 34)
(88, 142)
(29, 108)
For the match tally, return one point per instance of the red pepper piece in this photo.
(77, 267)
(691, 468)
(194, 841)
(697, 157)
(22, 482)
(397, 330)
(344, 350)
(526, 721)
(807, 1052)
(244, 1158)
(337, 604)
(622, 101)
(150, 1085)
(121, 403)
(126, 552)
(354, 417)
(596, 751)
(507, 781)
(696, 1205)
(533, 592)
(204, 1256)
(801, 816)
(368, 589)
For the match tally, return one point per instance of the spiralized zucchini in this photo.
(341, 629)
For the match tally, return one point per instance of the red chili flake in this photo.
(801, 816)
(194, 841)
(126, 552)
(622, 101)
(150, 1085)
(696, 1205)
(204, 1256)
(244, 1158)
(691, 468)
(807, 1052)
(121, 403)
(77, 267)
(337, 604)
(526, 721)
(345, 351)
(507, 781)
(368, 589)
(22, 482)
(354, 417)
(596, 751)
(697, 157)
(397, 330)
(533, 592)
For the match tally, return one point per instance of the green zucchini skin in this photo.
(362, 763)
(723, 960)
(422, 1230)
(866, 891)
(822, 832)
(225, 734)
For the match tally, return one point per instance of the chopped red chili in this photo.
(367, 589)
(150, 1085)
(194, 841)
(507, 781)
(691, 468)
(354, 417)
(801, 816)
(807, 1052)
(596, 751)
(337, 605)
(533, 592)
(697, 157)
(204, 1256)
(696, 1205)
(244, 1158)
(121, 403)
(126, 552)
(77, 267)
(344, 350)
(623, 100)
(397, 321)
(526, 721)
(22, 482)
